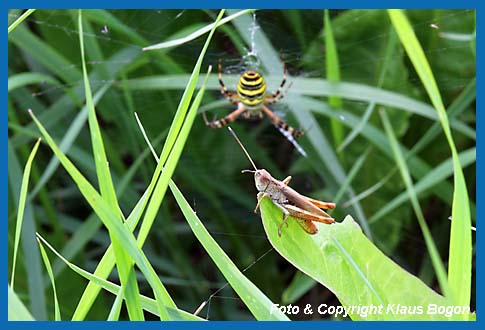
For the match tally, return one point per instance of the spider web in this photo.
(287, 43)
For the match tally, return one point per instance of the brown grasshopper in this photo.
(304, 209)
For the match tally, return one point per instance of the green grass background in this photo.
(347, 68)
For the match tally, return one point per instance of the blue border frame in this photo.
(303, 4)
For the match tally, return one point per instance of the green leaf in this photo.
(342, 259)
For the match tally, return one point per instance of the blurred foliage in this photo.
(208, 172)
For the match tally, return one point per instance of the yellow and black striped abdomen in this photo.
(251, 89)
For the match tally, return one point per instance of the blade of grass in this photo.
(156, 187)
(255, 300)
(91, 225)
(388, 55)
(124, 263)
(358, 128)
(352, 173)
(72, 133)
(333, 75)
(176, 140)
(45, 54)
(114, 313)
(57, 312)
(30, 78)
(403, 169)
(298, 287)
(21, 208)
(432, 178)
(31, 254)
(198, 33)
(107, 262)
(110, 220)
(19, 20)
(460, 255)
(147, 303)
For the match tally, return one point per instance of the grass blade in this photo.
(198, 33)
(431, 246)
(157, 185)
(333, 76)
(20, 214)
(19, 20)
(47, 263)
(67, 141)
(460, 256)
(31, 254)
(432, 178)
(148, 304)
(124, 263)
(255, 300)
(110, 220)
(114, 313)
(28, 78)
(175, 140)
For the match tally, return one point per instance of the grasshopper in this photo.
(304, 209)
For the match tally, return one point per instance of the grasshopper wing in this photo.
(305, 219)
(320, 204)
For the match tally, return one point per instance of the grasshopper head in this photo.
(262, 178)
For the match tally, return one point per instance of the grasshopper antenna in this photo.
(244, 149)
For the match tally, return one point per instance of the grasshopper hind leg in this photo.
(286, 214)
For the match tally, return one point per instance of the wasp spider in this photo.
(252, 100)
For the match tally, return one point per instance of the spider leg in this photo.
(276, 96)
(227, 119)
(280, 124)
(289, 132)
(270, 99)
